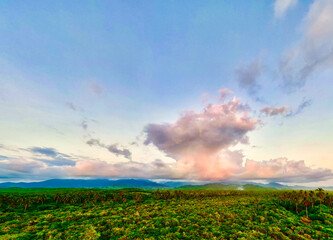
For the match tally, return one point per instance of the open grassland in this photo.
(167, 214)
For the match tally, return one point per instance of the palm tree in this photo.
(285, 197)
(256, 202)
(320, 194)
(328, 200)
(297, 198)
(312, 197)
(306, 202)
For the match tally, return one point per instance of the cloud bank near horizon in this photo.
(202, 145)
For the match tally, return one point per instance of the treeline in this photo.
(203, 194)
(296, 200)
(27, 200)
(292, 200)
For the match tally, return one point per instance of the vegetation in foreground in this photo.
(166, 214)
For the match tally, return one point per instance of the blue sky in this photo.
(76, 71)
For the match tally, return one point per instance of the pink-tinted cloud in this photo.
(227, 165)
(204, 165)
(195, 140)
(284, 170)
(205, 97)
(217, 127)
(200, 143)
(273, 111)
(224, 92)
(286, 110)
(97, 168)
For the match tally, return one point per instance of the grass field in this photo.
(167, 214)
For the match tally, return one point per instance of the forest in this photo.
(165, 214)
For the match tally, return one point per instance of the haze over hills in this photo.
(212, 186)
(86, 183)
(147, 184)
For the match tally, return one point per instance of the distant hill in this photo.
(86, 183)
(147, 184)
(176, 184)
(255, 187)
(328, 188)
(285, 187)
(275, 185)
(213, 186)
(136, 183)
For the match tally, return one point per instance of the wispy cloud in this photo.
(73, 106)
(273, 111)
(51, 152)
(286, 111)
(84, 125)
(4, 157)
(248, 75)
(55, 158)
(304, 104)
(113, 148)
(59, 161)
(282, 6)
(314, 52)
(96, 88)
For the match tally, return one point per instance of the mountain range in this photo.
(146, 184)
(86, 183)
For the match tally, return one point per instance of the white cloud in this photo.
(282, 6)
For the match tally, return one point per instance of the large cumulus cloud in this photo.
(201, 144)
(198, 140)
(217, 127)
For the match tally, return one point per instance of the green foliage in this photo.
(165, 214)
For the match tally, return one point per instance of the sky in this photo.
(180, 90)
